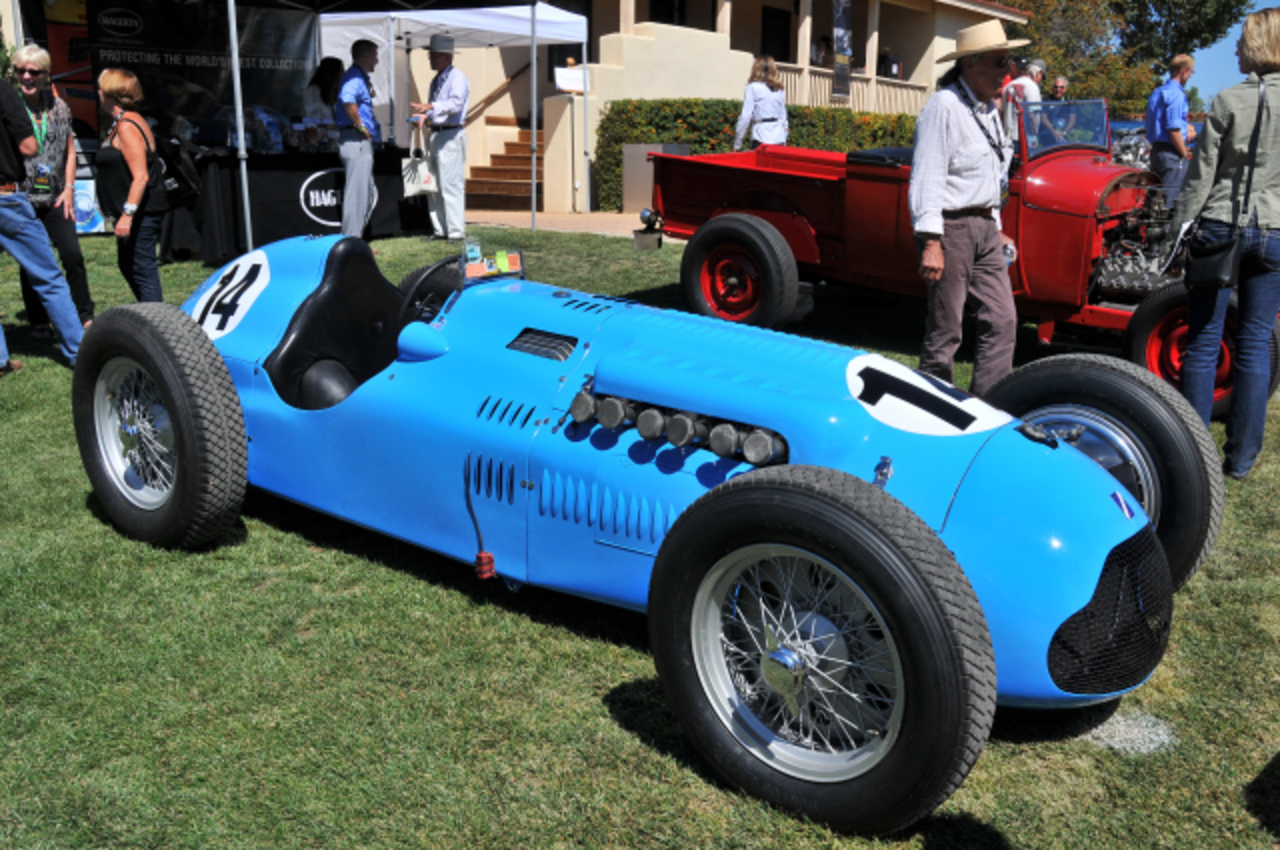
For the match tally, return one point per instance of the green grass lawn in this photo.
(308, 683)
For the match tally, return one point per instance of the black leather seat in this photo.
(342, 335)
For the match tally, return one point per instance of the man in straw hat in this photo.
(959, 178)
(444, 116)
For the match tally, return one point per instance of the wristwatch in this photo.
(129, 209)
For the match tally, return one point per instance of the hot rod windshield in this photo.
(1051, 124)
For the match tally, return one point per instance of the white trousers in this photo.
(356, 153)
(447, 155)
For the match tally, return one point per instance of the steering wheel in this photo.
(427, 289)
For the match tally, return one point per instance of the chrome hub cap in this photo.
(1110, 444)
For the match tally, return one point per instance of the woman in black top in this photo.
(129, 183)
(50, 183)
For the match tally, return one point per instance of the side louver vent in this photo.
(494, 479)
(544, 344)
(505, 412)
(611, 512)
(582, 305)
(1116, 640)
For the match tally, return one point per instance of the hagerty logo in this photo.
(321, 196)
(121, 22)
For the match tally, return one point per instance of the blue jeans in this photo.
(1257, 304)
(136, 257)
(1171, 169)
(24, 237)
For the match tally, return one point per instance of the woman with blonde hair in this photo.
(1214, 191)
(130, 183)
(50, 183)
(764, 107)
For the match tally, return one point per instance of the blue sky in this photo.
(1216, 67)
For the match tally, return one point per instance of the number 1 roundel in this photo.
(224, 304)
(908, 400)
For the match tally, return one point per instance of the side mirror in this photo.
(420, 341)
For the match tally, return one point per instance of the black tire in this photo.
(739, 268)
(159, 426)
(1141, 430)
(426, 289)
(894, 735)
(1155, 339)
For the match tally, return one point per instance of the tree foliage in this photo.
(1080, 40)
(1157, 30)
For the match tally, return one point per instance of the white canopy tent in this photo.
(397, 33)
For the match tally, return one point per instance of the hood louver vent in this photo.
(544, 344)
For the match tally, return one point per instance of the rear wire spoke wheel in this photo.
(1141, 430)
(135, 433)
(822, 648)
(159, 426)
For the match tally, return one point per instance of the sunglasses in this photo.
(29, 72)
(1002, 61)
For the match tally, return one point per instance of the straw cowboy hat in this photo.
(981, 38)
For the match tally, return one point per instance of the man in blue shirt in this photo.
(358, 130)
(445, 116)
(1168, 131)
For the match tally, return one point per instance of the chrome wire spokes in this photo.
(135, 433)
(808, 676)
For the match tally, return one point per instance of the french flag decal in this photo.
(1124, 505)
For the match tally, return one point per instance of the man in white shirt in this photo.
(1024, 89)
(445, 117)
(958, 183)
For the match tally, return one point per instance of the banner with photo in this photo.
(180, 52)
(842, 30)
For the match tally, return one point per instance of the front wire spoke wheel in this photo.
(797, 662)
(135, 433)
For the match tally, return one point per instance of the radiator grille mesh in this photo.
(1115, 641)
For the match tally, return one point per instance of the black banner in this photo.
(180, 51)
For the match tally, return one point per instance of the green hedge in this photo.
(707, 126)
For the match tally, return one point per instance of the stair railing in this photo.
(494, 96)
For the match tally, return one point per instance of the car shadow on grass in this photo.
(1262, 797)
(640, 708)
(583, 617)
(1036, 725)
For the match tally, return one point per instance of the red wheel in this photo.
(730, 283)
(1156, 338)
(1167, 343)
(739, 268)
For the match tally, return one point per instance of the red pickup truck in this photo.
(1092, 235)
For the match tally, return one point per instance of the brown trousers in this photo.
(973, 270)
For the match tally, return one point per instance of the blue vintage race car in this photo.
(846, 564)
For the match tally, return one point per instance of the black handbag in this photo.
(1216, 265)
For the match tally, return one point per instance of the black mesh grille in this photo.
(1115, 641)
(544, 344)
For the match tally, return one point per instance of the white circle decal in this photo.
(907, 400)
(227, 301)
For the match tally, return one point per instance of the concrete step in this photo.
(501, 160)
(521, 148)
(500, 187)
(489, 172)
